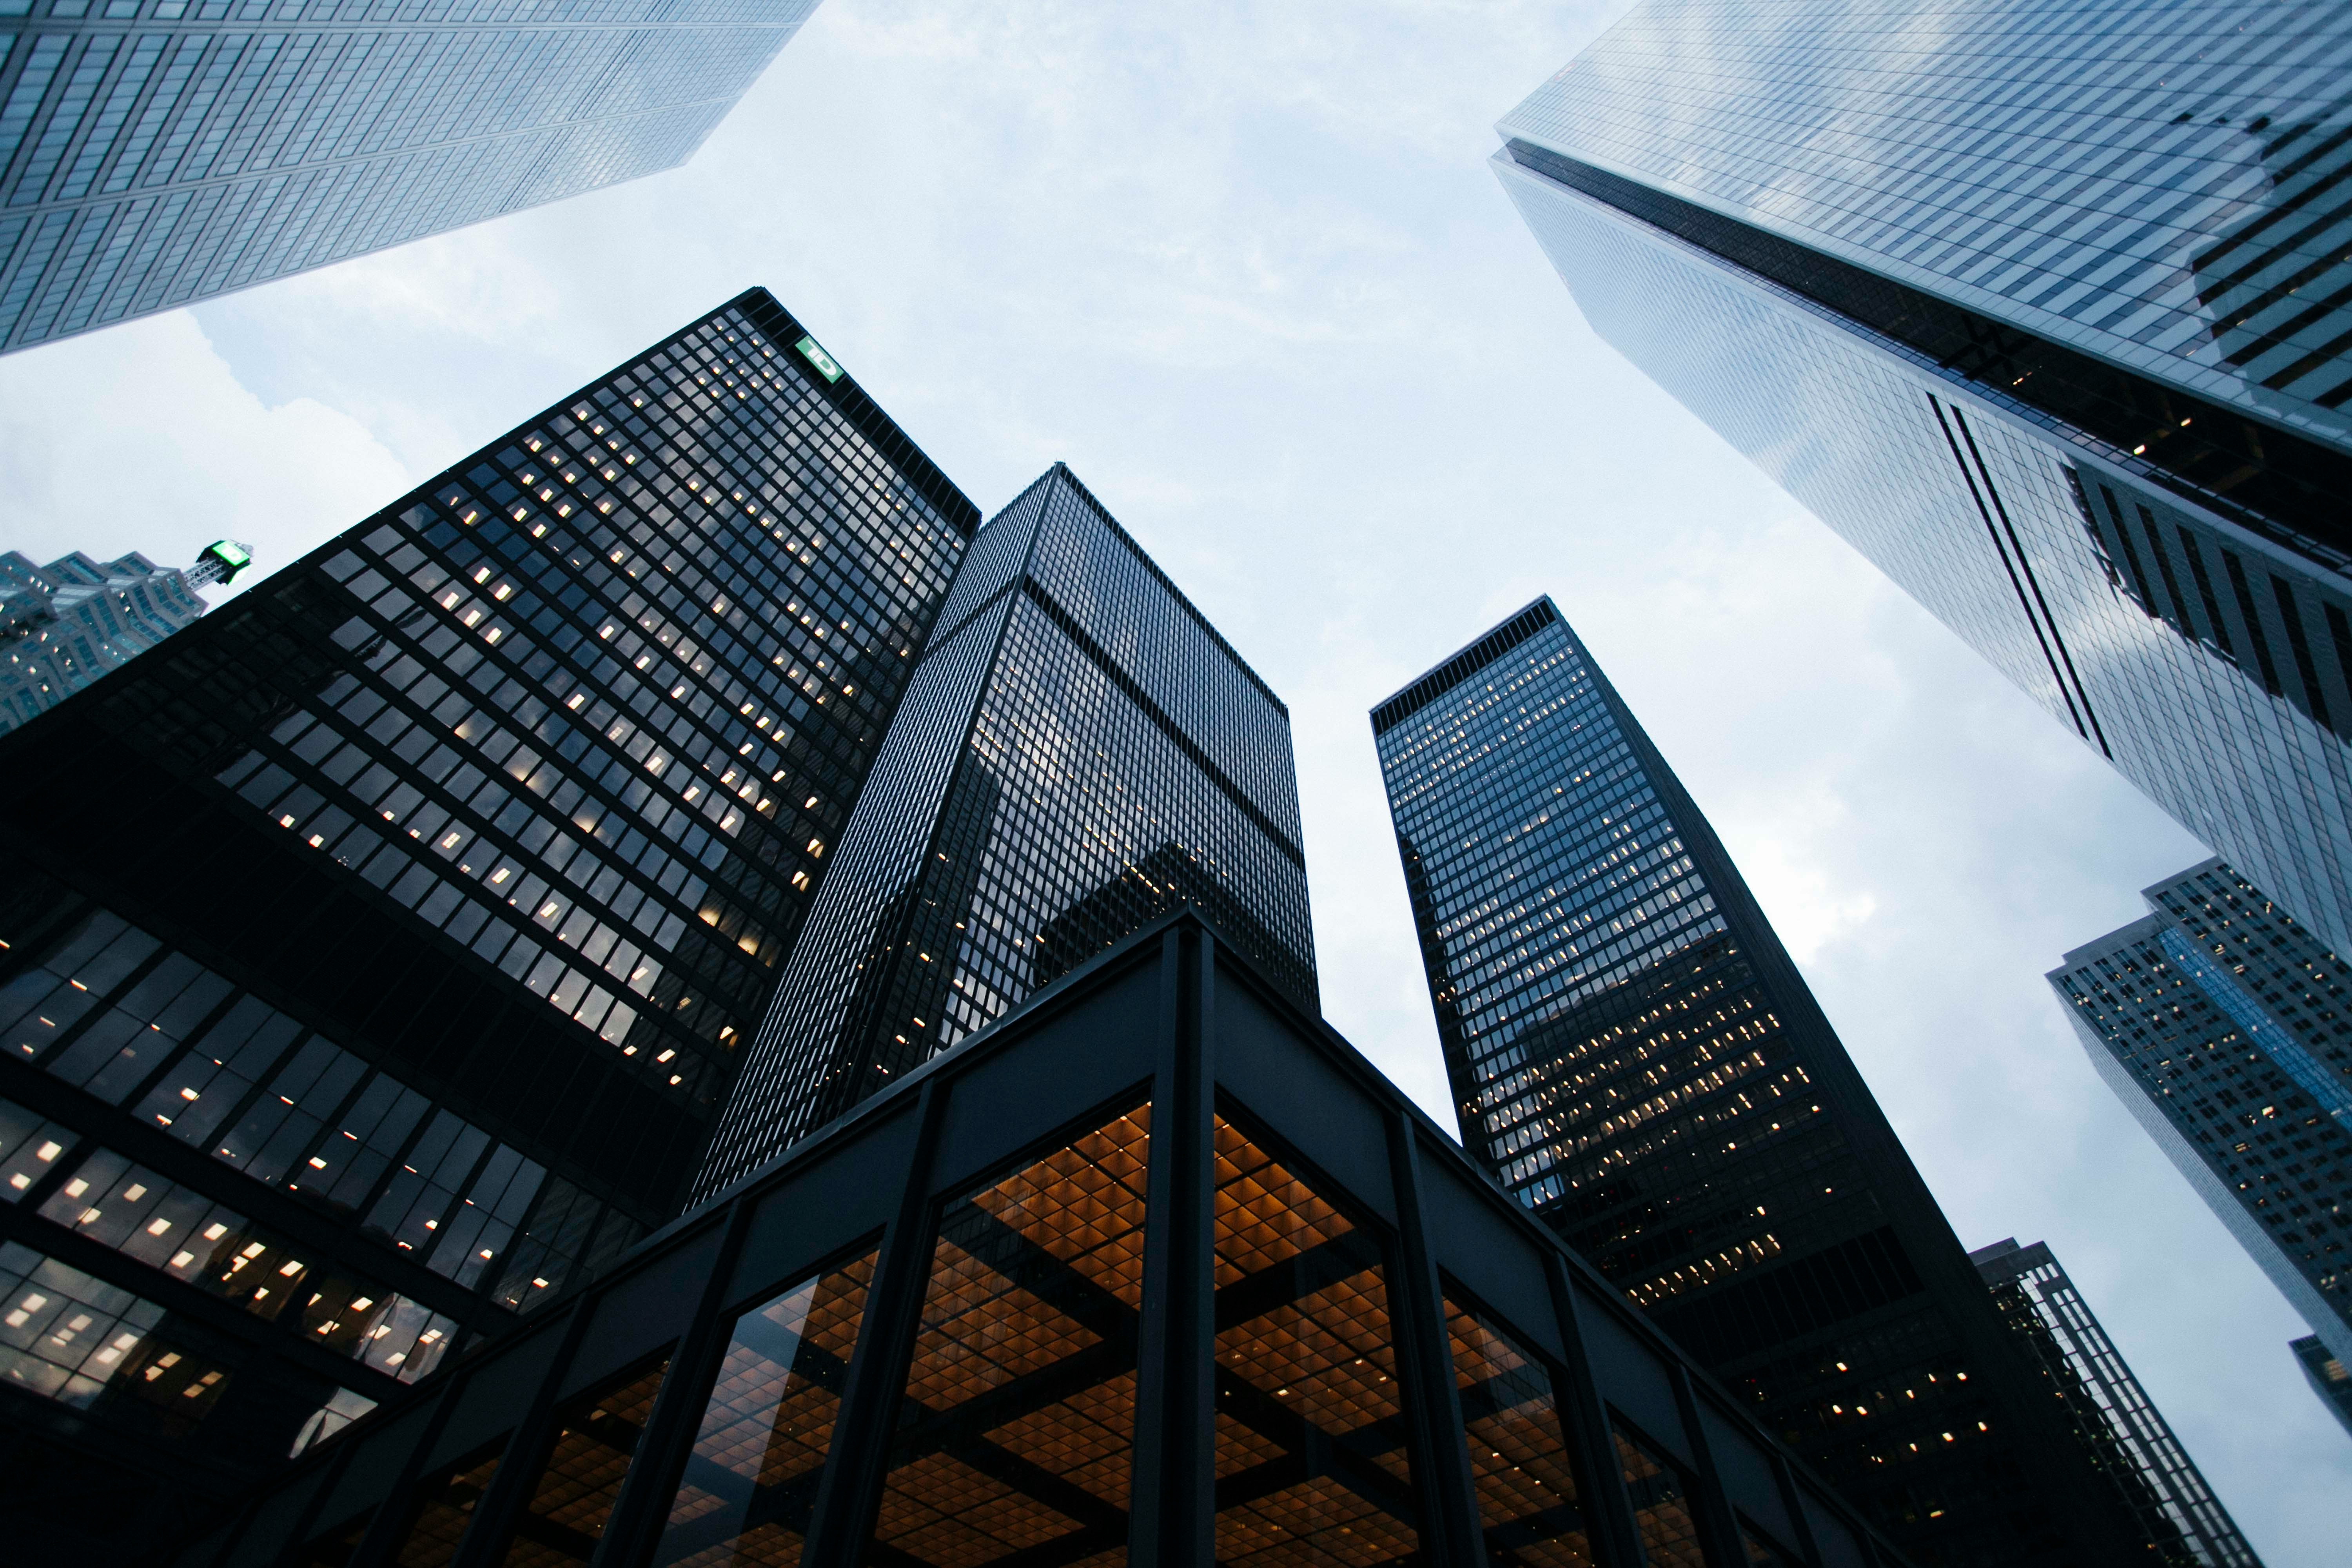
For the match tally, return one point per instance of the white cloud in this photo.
(142, 439)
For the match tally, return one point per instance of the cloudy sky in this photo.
(1244, 268)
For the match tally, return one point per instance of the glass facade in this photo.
(375, 954)
(2225, 1027)
(1158, 1271)
(2079, 390)
(2327, 1376)
(64, 625)
(154, 153)
(1078, 752)
(2111, 1411)
(1639, 1063)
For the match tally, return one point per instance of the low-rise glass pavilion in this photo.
(1156, 1270)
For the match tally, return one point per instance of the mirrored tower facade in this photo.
(154, 153)
(376, 952)
(1636, 1059)
(2046, 309)
(1078, 752)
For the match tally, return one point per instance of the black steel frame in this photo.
(1175, 1015)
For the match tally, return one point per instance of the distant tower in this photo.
(155, 155)
(1079, 753)
(2226, 1029)
(2112, 1412)
(2328, 1376)
(64, 625)
(1636, 1059)
(2044, 307)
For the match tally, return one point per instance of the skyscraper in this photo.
(2225, 1027)
(2111, 1411)
(1077, 753)
(64, 625)
(154, 153)
(2326, 1375)
(1635, 1055)
(2044, 307)
(379, 948)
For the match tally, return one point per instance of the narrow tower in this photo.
(1636, 1058)
(2112, 1413)
(1078, 752)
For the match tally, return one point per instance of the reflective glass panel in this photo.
(1019, 1413)
(1311, 1464)
(1518, 1453)
(753, 1477)
(445, 1504)
(595, 1436)
(1662, 1506)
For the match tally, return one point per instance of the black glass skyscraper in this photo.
(378, 949)
(1635, 1055)
(2043, 306)
(1077, 753)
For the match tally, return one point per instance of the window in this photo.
(596, 1435)
(1019, 1412)
(1310, 1460)
(1527, 1491)
(761, 1448)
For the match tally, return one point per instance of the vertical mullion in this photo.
(527, 1450)
(1171, 1521)
(1435, 1403)
(638, 1512)
(1608, 1512)
(390, 1521)
(1792, 1502)
(851, 1488)
(1719, 1530)
(299, 1534)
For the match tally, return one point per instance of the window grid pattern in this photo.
(2159, 183)
(1035, 801)
(2242, 1110)
(149, 158)
(1016, 1426)
(2180, 1508)
(608, 693)
(1624, 1065)
(2039, 547)
(108, 1008)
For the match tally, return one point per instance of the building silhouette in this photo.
(156, 153)
(1078, 752)
(2225, 1027)
(2041, 308)
(379, 949)
(1636, 1058)
(2112, 1413)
